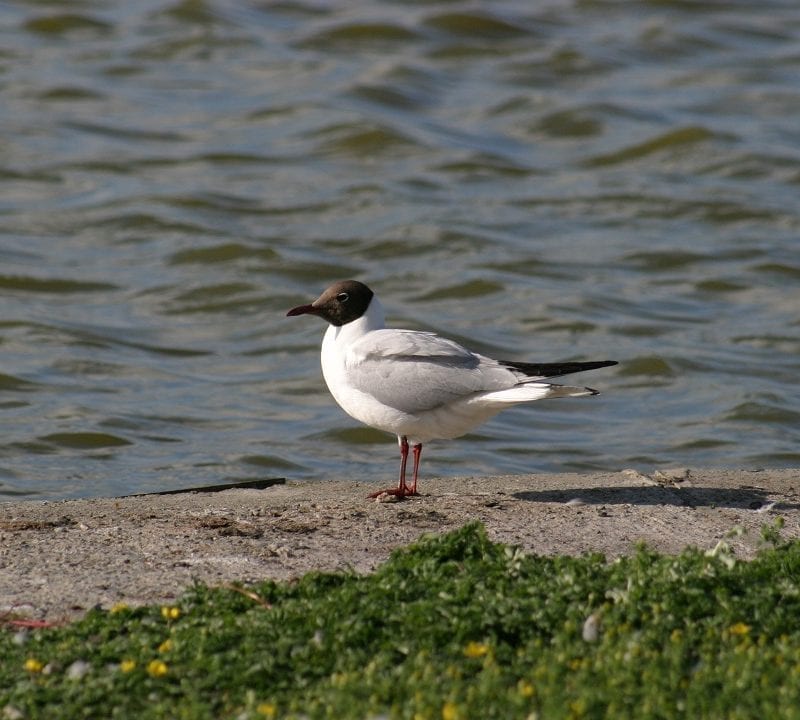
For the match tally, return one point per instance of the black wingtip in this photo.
(548, 370)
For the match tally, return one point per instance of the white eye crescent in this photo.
(342, 297)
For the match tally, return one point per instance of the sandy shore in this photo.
(58, 559)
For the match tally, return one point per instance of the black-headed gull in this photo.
(418, 385)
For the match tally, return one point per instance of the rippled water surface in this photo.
(543, 181)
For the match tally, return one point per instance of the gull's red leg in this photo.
(417, 453)
(402, 489)
(401, 485)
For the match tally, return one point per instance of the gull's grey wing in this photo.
(414, 371)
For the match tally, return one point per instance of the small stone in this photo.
(386, 497)
(638, 476)
(591, 628)
(78, 669)
(672, 476)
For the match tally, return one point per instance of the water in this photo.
(542, 181)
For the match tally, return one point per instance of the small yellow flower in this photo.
(170, 613)
(118, 608)
(525, 689)
(266, 709)
(156, 668)
(339, 680)
(577, 708)
(476, 649)
(450, 711)
(739, 628)
(575, 663)
(165, 646)
(127, 665)
(32, 665)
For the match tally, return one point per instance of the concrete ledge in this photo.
(58, 559)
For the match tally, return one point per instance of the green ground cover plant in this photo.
(454, 626)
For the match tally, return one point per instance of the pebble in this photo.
(591, 628)
(387, 498)
(78, 669)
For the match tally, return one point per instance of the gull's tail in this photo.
(530, 375)
(530, 391)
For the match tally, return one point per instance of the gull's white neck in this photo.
(335, 345)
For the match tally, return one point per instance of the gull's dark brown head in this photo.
(340, 304)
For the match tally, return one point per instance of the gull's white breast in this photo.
(340, 368)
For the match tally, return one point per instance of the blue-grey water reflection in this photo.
(544, 181)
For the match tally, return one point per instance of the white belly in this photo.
(355, 403)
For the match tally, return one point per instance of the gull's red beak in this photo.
(302, 310)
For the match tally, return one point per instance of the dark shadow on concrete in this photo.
(743, 498)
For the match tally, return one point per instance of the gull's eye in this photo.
(342, 297)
